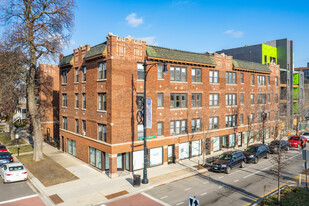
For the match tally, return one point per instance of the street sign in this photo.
(193, 201)
(149, 137)
(305, 154)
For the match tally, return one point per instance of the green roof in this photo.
(251, 65)
(66, 59)
(95, 50)
(164, 53)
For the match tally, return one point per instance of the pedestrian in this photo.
(302, 143)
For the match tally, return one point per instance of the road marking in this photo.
(205, 193)
(179, 203)
(221, 186)
(265, 168)
(16, 199)
(205, 182)
(163, 197)
(155, 199)
(189, 188)
(236, 180)
(220, 177)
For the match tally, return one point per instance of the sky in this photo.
(197, 26)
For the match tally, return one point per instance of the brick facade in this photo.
(121, 86)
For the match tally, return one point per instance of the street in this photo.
(240, 187)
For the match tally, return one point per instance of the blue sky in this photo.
(197, 26)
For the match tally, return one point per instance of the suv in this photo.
(274, 146)
(229, 160)
(255, 152)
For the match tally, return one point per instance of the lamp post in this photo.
(143, 119)
(264, 116)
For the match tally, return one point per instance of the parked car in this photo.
(5, 157)
(295, 141)
(305, 134)
(275, 144)
(229, 160)
(13, 172)
(255, 152)
(2, 131)
(3, 148)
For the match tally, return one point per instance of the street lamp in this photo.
(142, 115)
(264, 116)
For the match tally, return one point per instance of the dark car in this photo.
(275, 144)
(5, 157)
(229, 160)
(3, 148)
(255, 152)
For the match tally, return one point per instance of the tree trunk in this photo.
(11, 128)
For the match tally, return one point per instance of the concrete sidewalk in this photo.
(94, 187)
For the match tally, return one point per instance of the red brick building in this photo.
(49, 101)
(205, 99)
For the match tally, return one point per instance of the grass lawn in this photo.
(47, 170)
(290, 195)
(4, 139)
(24, 148)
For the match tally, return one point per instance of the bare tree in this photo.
(40, 28)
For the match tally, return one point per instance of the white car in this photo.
(305, 134)
(13, 172)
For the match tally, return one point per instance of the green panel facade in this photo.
(296, 78)
(269, 52)
(295, 108)
(296, 93)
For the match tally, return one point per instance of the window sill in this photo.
(230, 105)
(63, 107)
(76, 108)
(196, 107)
(101, 80)
(214, 83)
(83, 109)
(160, 107)
(140, 80)
(101, 111)
(178, 108)
(178, 82)
(83, 82)
(63, 84)
(76, 82)
(214, 107)
(159, 79)
(231, 84)
(197, 82)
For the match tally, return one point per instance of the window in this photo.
(261, 80)
(252, 98)
(160, 72)
(84, 73)
(268, 80)
(276, 81)
(102, 132)
(273, 59)
(213, 76)
(268, 98)
(230, 78)
(102, 70)
(261, 98)
(196, 125)
(139, 100)
(213, 123)
(242, 78)
(230, 120)
(160, 99)
(178, 74)
(178, 127)
(230, 99)
(160, 128)
(178, 100)
(140, 131)
(64, 100)
(265, 59)
(241, 98)
(64, 77)
(76, 100)
(71, 147)
(140, 71)
(102, 101)
(196, 100)
(252, 79)
(84, 101)
(241, 119)
(252, 118)
(213, 99)
(196, 75)
(76, 75)
(84, 127)
(64, 123)
(76, 126)
(95, 157)
(276, 98)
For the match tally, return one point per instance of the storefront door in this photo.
(170, 154)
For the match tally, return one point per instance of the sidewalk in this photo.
(94, 187)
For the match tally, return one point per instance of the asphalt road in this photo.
(240, 187)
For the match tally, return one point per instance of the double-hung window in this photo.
(84, 127)
(102, 70)
(64, 100)
(230, 78)
(76, 126)
(140, 71)
(196, 100)
(76, 78)
(64, 77)
(178, 74)
(213, 99)
(242, 78)
(196, 75)
(102, 132)
(102, 101)
(252, 98)
(140, 131)
(84, 73)
(241, 98)
(160, 72)
(196, 125)
(178, 127)
(160, 128)
(230, 120)
(261, 98)
(230, 99)
(64, 122)
(252, 79)
(84, 101)
(213, 123)
(76, 100)
(178, 100)
(213, 76)
(276, 81)
(261, 80)
(160, 99)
